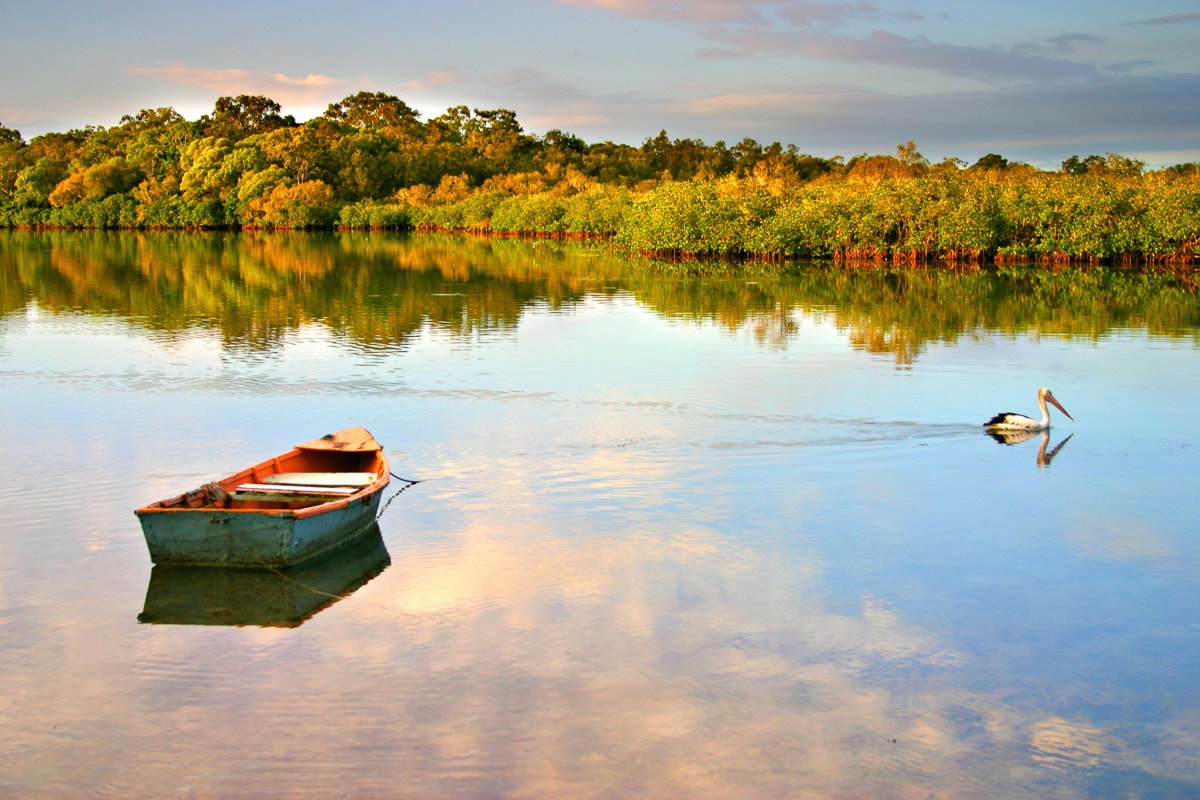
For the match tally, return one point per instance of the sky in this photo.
(1034, 81)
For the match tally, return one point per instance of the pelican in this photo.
(1020, 422)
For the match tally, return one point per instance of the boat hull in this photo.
(214, 526)
(253, 539)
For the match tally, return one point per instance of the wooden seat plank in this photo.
(270, 488)
(322, 478)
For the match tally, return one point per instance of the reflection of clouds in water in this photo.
(1179, 748)
(671, 664)
(642, 689)
(1118, 536)
(1065, 744)
(562, 659)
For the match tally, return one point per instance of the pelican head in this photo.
(1046, 395)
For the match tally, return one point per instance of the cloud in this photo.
(311, 88)
(813, 101)
(809, 13)
(892, 50)
(532, 83)
(545, 102)
(799, 13)
(1037, 122)
(698, 11)
(431, 80)
(1056, 45)
(1173, 19)
(801, 28)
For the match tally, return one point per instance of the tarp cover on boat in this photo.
(350, 440)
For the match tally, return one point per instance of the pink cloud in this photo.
(798, 13)
(279, 87)
(430, 80)
(701, 11)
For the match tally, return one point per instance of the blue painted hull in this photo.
(253, 539)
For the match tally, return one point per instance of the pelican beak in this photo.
(1057, 405)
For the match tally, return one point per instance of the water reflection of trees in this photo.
(378, 289)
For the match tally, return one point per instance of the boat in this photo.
(277, 598)
(284, 511)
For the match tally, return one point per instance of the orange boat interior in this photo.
(321, 471)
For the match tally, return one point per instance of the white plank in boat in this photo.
(322, 478)
(272, 488)
(287, 497)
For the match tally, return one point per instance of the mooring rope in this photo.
(408, 484)
(263, 565)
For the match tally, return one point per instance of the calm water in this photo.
(676, 536)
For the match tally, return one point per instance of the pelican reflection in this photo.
(1010, 437)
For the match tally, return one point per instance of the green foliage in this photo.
(684, 218)
(542, 213)
(304, 205)
(371, 162)
(35, 183)
(371, 214)
(113, 211)
(991, 161)
(595, 211)
(244, 115)
(373, 110)
(113, 176)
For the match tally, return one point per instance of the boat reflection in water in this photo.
(262, 597)
(1017, 436)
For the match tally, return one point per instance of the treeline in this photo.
(370, 161)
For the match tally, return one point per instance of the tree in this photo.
(61, 147)
(12, 159)
(907, 155)
(35, 183)
(991, 161)
(877, 168)
(746, 153)
(373, 110)
(96, 182)
(303, 151)
(1110, 163)
(1122, 165)
(9, 136)
(681, 159)
(155, 143)
(567, 142)
(451, 126)
(245, 115)
(1077, 166)
(151, 118)
(202, 177)
(495, 142)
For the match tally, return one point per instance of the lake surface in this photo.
(680, 532)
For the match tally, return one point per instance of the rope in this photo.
(408, 484)
(263, 565)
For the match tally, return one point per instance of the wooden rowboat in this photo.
(284, 511)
